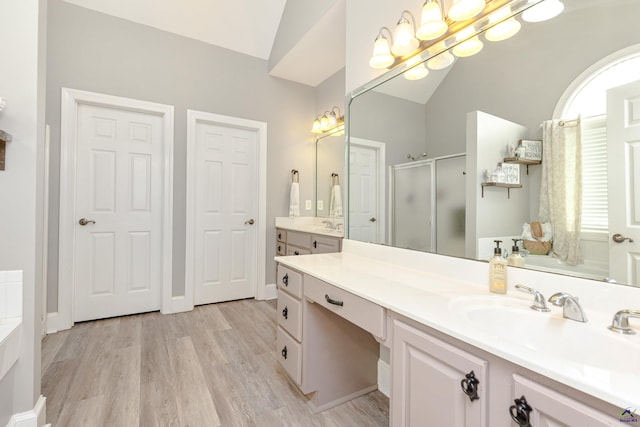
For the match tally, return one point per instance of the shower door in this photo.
(413, 206)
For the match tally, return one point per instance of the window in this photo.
(587, 98)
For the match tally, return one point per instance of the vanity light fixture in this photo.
(329, 123)
(469, 46)
(432, 23)
(416, 69)
(381, 57)
(542, 11)
(461, 10)
(441, 60)
(503, 28)
(316, 125)
(404, 39)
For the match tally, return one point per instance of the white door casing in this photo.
(72, 168)
(226, 191)
(623, 148)
(366, 219)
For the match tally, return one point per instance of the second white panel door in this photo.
(226, 194)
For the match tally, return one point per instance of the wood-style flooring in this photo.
(215, 365)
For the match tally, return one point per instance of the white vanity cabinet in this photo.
(435, 383)
(290, 242)
(545, 407)
(325, 339)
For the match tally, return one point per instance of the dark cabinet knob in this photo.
(279, 248)
(285, 313)
(470, 386)
(315, 244)
(279, 236)
(520, 412)
(284, 352)
(296, 253)
(285, 279)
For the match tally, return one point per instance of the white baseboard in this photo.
(33, 418)
(54, 321)
(384, 378)
(179, 304)
(270, 291)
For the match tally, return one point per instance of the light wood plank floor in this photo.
(213, 366)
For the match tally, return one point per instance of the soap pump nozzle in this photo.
(515, 247)
(497, 250)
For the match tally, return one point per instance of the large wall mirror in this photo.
(418, 150)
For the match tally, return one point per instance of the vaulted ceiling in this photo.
(246, 26)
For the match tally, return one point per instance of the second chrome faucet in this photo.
(571, 308)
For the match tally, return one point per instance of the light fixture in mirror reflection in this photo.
(520, 82)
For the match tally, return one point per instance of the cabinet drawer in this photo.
(281, 235)
(290, 315)
(290, 281)
(293, 250)
(289, 353)
(325, 245)
(281, 249)
(369, 316)
(302, 240)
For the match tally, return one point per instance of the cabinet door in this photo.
(550, 408)
(324, 245)
(426, 382)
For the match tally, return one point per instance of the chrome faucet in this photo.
(571, 308)
(620, 323)
(330, 224)
(539, 303)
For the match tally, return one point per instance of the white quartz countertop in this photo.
(333, 227)
(546, 343)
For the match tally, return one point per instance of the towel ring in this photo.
(295, 176)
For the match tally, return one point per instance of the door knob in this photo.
(372, 219)
(84, 221)
(619, 238)
(250, 222)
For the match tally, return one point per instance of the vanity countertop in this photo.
(585, 356)
(314, 225)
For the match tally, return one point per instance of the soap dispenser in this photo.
(498, 271)
(515, 258)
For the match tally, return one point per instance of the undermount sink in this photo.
(549, 335)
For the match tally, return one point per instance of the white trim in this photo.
(270, 291)
(71, 100)
(587, 75)
(33, 418)
(380, 148)
(53, 323)
(193, 117)
(45, 231)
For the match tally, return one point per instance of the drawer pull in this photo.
(520, 412)
(285, 313)
(333, 301)
(285, 279)
(284, 352)
(279, 236)
(470, 386)
(279, 248)
(315, 244)
(296, 253)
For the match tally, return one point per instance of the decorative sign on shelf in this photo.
(531, 149)
(511, 173)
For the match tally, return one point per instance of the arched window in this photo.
(587, 97)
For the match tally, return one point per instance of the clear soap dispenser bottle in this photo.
(515, 258)
(498, 271)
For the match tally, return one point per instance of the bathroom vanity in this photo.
(460, 356)
(308, 235)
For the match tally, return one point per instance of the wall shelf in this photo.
(499, 184)
(521, 161)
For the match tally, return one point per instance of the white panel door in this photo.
(118, 250)
(623, 148)
(226, 194)
(364, 193)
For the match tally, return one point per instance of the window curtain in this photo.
(561, 186)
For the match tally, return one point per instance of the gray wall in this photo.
(99, 53)
(522, 79)
(20, 210)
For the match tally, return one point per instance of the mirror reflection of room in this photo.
(550, 90)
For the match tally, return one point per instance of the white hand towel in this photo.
(335, 204)
(294, 200)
